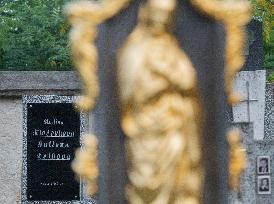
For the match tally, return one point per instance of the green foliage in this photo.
(263, 10)
(269, 52)
(270, 78)
(33, 35)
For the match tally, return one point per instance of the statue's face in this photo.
(159, 14)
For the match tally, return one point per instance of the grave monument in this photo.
(199, 51)
(52, 131)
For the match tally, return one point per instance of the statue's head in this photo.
(157, 14)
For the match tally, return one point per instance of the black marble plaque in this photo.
(52, 134)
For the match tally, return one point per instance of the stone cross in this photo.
(248, 100)
(251, 86)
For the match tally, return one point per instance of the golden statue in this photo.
(161, 113)
(160, 102)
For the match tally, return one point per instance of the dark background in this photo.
(50, 171)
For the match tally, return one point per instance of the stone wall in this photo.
(269, 112)
(13, 85)
(255, 148)
(10, 149)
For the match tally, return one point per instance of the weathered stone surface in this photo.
(10, 150)
(12, 86)
(11, 143)
(269, 112)
(254, 148)
(14, 83)
(251, 86)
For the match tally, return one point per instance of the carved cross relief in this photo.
(251, 86)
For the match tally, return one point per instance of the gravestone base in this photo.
(255, 148)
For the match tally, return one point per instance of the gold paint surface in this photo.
(161, 112)
(84, 17)
(237, 159)
(85, 163)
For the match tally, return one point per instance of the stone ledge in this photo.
(18, 83)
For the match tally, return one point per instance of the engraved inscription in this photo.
(53, 132)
